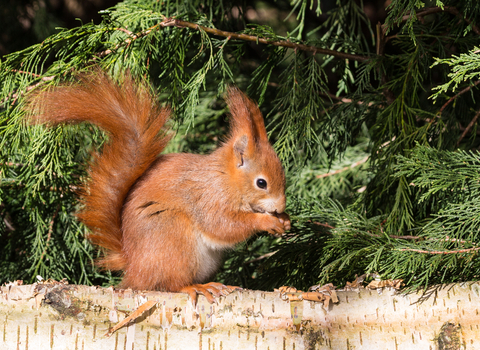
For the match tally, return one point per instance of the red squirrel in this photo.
(165, 219)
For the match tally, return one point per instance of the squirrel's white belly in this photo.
(209, 257)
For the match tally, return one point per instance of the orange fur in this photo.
(166, 219)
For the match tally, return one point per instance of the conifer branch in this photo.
(381, 41)
(431, 10)
(360, 162)
(173, 22)
(260, 258)
(371, 234)
(169, 22)
(407, 237)
(49, 237)
(415, 238)
(132, 37)
(16, 95)
(451, 99)
(24, 72)
(11, 164)
(324, 225)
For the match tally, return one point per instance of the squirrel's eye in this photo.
(261, 183)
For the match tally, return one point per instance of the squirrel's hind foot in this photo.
(210, 290)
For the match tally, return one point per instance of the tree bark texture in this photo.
(62, 316)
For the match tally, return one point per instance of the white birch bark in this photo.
(78, 317)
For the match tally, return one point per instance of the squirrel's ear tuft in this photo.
(246, 116)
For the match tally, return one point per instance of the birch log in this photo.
(60, 316)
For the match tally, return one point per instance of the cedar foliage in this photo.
(376, 125)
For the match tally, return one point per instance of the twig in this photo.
(454, 97)
(173, 22)
(128, 41)
(380, 39)
(405, 237)
(469, 126)
(260, 258)
(324, 225)
(24, 72)
(321, 176)
(125, 31)
(437, 252)
(16, 95)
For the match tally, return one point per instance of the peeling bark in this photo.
(60, 316)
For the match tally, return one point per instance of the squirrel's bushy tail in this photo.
(127, 112)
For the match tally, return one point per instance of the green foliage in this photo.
(465, 68)
(380, 146)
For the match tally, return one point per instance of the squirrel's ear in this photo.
(239, 149)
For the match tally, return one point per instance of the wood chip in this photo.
(133, 316)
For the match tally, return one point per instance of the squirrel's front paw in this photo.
(285, 219)
(275, 223)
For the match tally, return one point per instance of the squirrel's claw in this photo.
(210, 290)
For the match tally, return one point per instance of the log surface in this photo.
(62, 316)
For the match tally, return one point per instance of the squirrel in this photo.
(166, 219)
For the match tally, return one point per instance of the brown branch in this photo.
(260, 258)
(405, 237)
(24, 72)
(437, 252)
(380, 39)
(468, 88)
(381, 29)
(324, 225)
(173, 22)
(469, 126)
(125, 31)
(425, 12)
